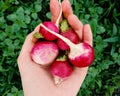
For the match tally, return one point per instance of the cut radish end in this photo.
(82, 57)
(44, 53)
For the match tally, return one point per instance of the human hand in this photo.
(36, 80)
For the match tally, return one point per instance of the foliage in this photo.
(19, 17)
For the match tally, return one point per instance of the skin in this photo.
(36, 79)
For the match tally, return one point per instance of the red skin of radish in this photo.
(80, 55)
(45, 33)
(61, 69)
(71, 35)
(83, 58)
(44, 52)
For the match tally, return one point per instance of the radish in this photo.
(60, 71)
(71, 35)
(46, 34)
(83, 56)
(80, 55)
(51, 26)
(44, 52)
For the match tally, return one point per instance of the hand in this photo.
(36, 80)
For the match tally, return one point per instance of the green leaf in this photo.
(113, 49)
(38, 8)
(87, 16)
(12, 17)
(114, 29)
(15, 27)
(98, 39)
(34, 15)
(71, 2)
(27, 19)
(3, 35)
(27, 11)
(16, 42)
(98, 83)
(14, 89)
(94, 24)
(99, 10)
(116, 58)
(16, 2)
(49, 15)
(100, 29)
(20, 93)
(21, 24)
(11, 49)
(2, 19)
(20, 10)
(112, 39)
(91, 9)
(77, 7)
(9, 29)
(10, 94)
(20, 14)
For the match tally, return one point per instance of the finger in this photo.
(76, 24)
(66, 8)
(55, 10)
(87, 34)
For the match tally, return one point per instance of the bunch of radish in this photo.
(57, 43)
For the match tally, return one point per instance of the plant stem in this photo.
(58, 19)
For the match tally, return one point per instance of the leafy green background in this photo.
(19, 17)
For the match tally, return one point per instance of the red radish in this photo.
(60, 70)
(83, 56)
(44, 52)
(78, 52)
(71, 35)
(51, 26)
(46, 34)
